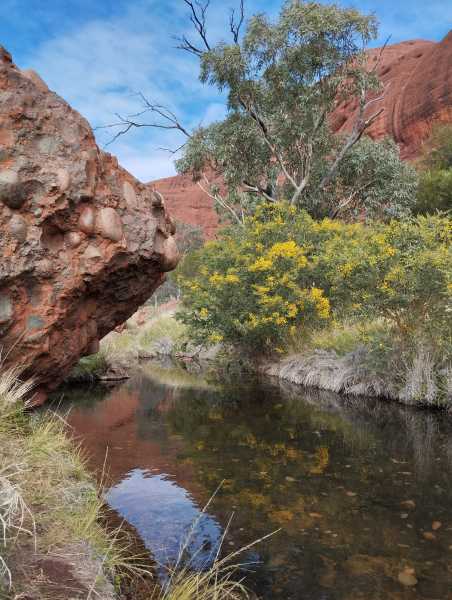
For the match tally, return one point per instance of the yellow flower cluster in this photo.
(217, 279)
(322, 304)
(284, 250)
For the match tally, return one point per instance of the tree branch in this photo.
(198, 13)
(234, 26)
(336, 210)
(360, 126)
(257, 189)
(221, 201)
(168, 121)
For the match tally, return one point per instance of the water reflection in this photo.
(361, 489)
(165, 514)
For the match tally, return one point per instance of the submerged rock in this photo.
(81, 244)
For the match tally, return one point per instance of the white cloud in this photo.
(99, 68)
(100, 65)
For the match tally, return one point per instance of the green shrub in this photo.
(401, 272)
(435, 182)
(434, 191)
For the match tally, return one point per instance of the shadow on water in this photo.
(361, 489)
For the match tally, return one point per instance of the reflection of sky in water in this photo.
(163, 513)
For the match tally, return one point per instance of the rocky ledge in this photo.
(82, 243)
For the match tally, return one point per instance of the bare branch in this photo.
(169, 121)
(235, 26)
(221, 201)
(198, 13)
(172, 150)
(380, 54)
(185, 44)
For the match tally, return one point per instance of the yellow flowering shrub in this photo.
(256, 286)
(285, 272)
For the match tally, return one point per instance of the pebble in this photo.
(407, 577)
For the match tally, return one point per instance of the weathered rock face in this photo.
(418, 77)
(82, 243)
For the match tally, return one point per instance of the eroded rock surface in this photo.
(82, 243)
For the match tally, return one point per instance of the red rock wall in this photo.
(188, 203)
(82, 243)
(417, 76)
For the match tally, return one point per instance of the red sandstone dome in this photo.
(418, 78)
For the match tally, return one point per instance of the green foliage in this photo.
(283, 80)
(435, 191)
(435, 184)
(401, 271)
(373, 183)
(285, 272)
(438, 149)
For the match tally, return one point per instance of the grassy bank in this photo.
(368, 358)
(365, 357)
(54, 544)
(148, 334)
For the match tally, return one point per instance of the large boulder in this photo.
(82, 243)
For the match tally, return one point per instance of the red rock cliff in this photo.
(188, 203)
(82, 243)
(418, 77)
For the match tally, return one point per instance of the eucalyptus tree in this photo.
(283, 80)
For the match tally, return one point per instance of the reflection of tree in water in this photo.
(333, 473)
(315, 465)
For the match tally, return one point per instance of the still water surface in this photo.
(360, 490)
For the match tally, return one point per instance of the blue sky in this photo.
(98, 53)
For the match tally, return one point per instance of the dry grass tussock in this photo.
(417, 382)
(49, 504)
(222, 580)
(360, 359)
